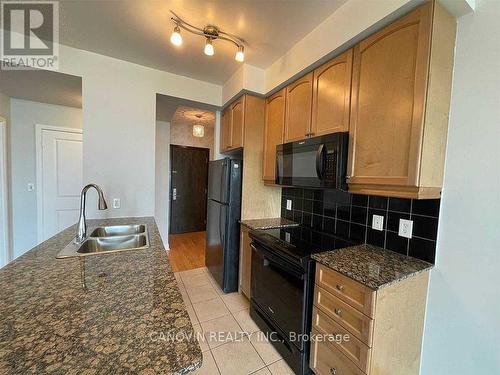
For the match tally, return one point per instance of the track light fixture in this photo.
(210, 32)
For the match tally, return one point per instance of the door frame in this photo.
(4, 192)
(39, 129)
(172, 146)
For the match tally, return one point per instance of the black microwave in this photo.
(319, 162)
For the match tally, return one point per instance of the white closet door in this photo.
(60, 169)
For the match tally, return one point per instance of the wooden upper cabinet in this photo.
(298, 109)
(237, 122)
(225, 130)
(332, 95)
(273, 133)
(399, 108)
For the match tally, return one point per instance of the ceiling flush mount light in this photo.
(210, 33)
(176, 37)
(198, 130)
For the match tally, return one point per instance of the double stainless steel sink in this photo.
(109, 239)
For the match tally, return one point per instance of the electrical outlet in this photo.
(289, 204)
(117, 203)
(405, 228)
(378, 222)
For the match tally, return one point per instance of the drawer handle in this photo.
(338, 312)
(340, 287)
(333, 371)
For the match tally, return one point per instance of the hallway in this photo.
(187, 251)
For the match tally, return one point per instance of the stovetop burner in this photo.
(299, 243)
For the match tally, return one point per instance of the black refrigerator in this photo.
(223, 227)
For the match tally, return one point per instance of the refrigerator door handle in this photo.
(221, 237)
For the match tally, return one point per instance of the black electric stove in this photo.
(282, 287)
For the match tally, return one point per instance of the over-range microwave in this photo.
(319, 162)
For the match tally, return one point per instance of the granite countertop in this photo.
(130, 318)
(277, 222)
(371, 265)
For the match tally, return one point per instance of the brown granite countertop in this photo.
(371, 265)
(277, 222)
(130, 319)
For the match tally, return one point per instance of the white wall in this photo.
(162, 181)
(119, 120)
(462, 330)
(5, 249)
(24, 116)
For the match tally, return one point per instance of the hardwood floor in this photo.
(187, 251)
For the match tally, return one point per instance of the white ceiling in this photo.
(42, 86)
(139, 31)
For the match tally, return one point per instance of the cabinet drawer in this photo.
(348, 317)
(354, 349)
(326, 360)
(348, 290)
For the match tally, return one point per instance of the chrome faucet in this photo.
(81, 234)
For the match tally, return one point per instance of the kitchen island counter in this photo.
(110, 313)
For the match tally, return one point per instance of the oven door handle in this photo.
(277, 262)
(320, 161)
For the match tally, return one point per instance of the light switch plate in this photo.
(117, 203)
(405, 228)
(289, 204)
(378, 222)
(31, 187)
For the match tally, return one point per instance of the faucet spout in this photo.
(81, 234)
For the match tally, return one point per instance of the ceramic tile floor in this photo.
(229, 339)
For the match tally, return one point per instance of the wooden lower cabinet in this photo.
(385, 343)
(327, 360)
(245, 261)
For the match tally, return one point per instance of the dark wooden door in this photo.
(188, 188)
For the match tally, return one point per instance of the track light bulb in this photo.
(209, 47)
(240, 55)
(176, 37)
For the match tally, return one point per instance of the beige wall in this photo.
(182, 134)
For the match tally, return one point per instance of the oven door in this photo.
(278, 289)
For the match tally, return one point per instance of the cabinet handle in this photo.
(333, 371)
(338, 312)
(340, 287)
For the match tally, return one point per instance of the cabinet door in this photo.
(245, 261)
(273, 133)
(332, 95)
(298, 109)
(237, 122)
(225, 129)
(390, 70)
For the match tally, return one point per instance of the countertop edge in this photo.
(319, 258)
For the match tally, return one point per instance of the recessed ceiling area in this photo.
(139, 31)
(168, 107)
(42, 86)
(193, 116)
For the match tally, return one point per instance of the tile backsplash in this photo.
(350, 216)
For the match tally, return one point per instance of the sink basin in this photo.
(109, 239)
(117, 243)
(118, 230)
